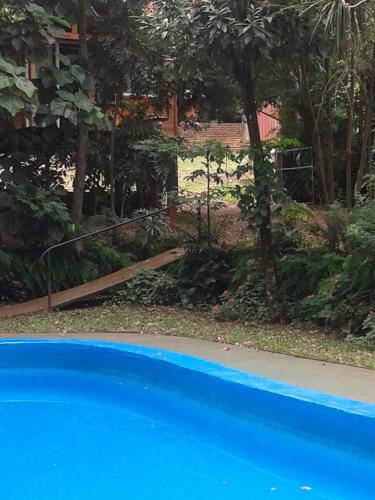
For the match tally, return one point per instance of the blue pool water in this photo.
(96, 421)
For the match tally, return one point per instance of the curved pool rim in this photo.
(286, 434)
(208, 368)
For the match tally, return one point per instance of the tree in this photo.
(83, 130)
(60, 95)
(344, 22)
(212, 169)
(323, 89)
(239, 36)
(119, 47)
(27, 33)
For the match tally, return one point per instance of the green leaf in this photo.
(36, 10)
(64, 94)
(25, 85)
(58, 107)
(63, 77)
(5, 82)
(78, 73)
(83, 102)
(60, 22)
(7, 66)
(98, 119)
(65, 60)
(13, 104)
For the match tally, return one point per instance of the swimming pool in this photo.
(96, 420)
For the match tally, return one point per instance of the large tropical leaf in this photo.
(83, 102)
(25, 85)
(58, 106)
(64, 94)
(11, 103)
(78, 73)
(10, 67)
(5, 82)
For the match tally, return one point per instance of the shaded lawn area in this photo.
(199, 185)
(289, 339)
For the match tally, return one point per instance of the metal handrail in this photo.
(83, 237)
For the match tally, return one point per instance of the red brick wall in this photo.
(235, 135)
(231, 134)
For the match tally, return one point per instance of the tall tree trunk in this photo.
(265, 230)
(317, 141)
(349, 144)
(330, 159)
(172, 182)
(83, 134)
(172, 190)
(112, 158)
(208, 165)
(367, 126)
(330, 139)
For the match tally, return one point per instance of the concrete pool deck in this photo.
(339, 380)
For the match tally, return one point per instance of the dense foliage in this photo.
(95, 114)
(197, 280)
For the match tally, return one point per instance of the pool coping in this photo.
(218, 371)
(340, 380)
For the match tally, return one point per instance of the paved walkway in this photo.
(339, 380)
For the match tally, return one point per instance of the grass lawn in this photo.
(288, 339)
(186, 167)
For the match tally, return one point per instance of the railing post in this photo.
(49, 284)
(47, 253)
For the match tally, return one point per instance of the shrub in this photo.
(336, 227)
(23, 276)
(32, 217)
(149, 287)
(202, 276)
(198, 279)
(301, 272)
(367, 340)
(295, 227)
(246, 300)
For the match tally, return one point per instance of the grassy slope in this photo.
(170, 321)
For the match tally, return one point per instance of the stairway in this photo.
(91, 288)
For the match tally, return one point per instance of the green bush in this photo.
(334, 284)
(367, 340)
(325, 269)
(301, 272)
(197, 279)
(295, 227)
(32, 217)
(24, 276)
(245, 299)
(336, 227)
(149, 287)
(202, 276)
